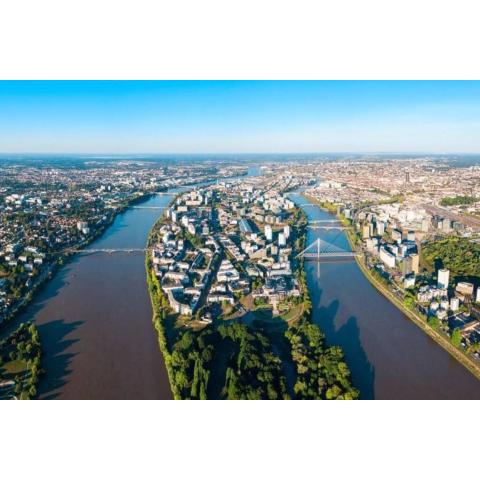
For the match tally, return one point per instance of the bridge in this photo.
(326, 222)
(326, 225)
(108, 250)
(323, 250)
(140, 207)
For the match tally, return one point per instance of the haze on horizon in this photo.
(167, 117)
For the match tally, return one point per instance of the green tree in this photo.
(433, 322)
(456, 337)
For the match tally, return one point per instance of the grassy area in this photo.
(293, 314)
(15, 367)
(459, 200)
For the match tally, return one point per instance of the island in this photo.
(230, 300)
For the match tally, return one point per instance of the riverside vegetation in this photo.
(20, 354)
(236, 360)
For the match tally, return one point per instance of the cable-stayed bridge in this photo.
(322, 250)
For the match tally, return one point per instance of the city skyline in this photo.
(224, 117)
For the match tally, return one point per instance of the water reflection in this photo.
(389, 356)
(94, 320)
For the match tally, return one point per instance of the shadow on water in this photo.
(55, 360)
(348, 337)
(50, 289)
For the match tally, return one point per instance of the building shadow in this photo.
(46, 292)
(55, 360)
(348, 338)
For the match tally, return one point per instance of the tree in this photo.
(433, 322)
(456, 337)
(32, 391)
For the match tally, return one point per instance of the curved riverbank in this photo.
(63, 258)
(95, 319)
(455, 352)
(390, 357)
(202, 360)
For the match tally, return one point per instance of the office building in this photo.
(365, 232)
(443, 276)
(268, 233)
(387, 258)
(380, 228)
(454, 304)
(407, 266)
(465, 288)
(415, 263)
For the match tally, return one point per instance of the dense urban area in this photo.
(225, 261)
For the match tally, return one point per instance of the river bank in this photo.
(95, 319)
(201, 357)
(63, 258)
(389, 356)
(455, 352)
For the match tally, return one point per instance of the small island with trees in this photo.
(230, 300)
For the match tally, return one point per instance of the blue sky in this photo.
(224, 117)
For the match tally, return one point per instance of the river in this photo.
(95, 319)
(389, 356)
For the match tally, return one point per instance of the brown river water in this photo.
(388, 355)
(94, 319)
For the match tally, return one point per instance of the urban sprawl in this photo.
(228, 245)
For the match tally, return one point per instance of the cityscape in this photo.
(240, 276)
(250, 226)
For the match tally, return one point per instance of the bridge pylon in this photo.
(321, 249)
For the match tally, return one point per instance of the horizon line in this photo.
(336, 152)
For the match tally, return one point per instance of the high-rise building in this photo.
(454, 304)
(365, 232)
(387, 258)
(380, 228)
(397, 235)
(407, 177)
(268, 233)
(281, 239)
(415, 263)
(447, 225)
(443, 276)
(407, 266)
(286, 231)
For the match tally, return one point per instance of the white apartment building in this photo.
(443, 277)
